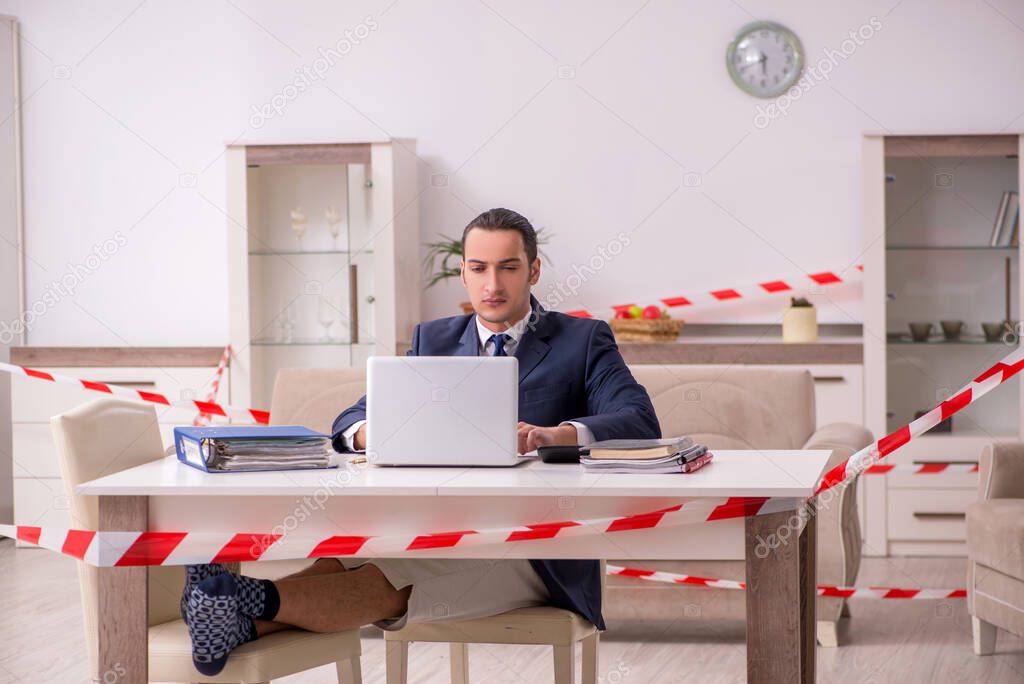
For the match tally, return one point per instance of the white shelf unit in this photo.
(930, 201)
(346, 297)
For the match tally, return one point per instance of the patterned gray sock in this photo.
(258, 598)
(255, 598)
(194, 574)
(215, 624)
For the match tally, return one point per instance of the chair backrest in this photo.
(739, 407)
(99, 438)
(313, 397)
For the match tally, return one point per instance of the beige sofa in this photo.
(995, 547)
(741, 407)
(745, 407)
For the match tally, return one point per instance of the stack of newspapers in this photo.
(673, 455)
(233, 449)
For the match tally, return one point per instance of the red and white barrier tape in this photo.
(921, 468)
(155, 548)
(116, 548)
(208, 407)
(823, 278)
(822, 589)
(984, 383)
(132, 549)
(203, 419)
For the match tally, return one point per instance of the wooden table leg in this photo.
(123, 607)
(781, 551)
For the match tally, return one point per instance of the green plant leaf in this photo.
(446, 249)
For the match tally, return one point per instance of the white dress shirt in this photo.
(486, 348)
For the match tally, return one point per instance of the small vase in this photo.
(467, 307)
(800, 324)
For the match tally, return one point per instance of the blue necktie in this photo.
(499, 340)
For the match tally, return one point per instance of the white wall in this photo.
(123, 101)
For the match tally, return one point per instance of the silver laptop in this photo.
(442, 410)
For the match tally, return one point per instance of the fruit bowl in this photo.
(645, 330)
(645, 325)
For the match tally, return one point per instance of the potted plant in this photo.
(448, 251)
(800, 322)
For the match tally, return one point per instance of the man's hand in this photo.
(531, 436)
(359, 439)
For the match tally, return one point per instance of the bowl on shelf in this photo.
(952, 329)
(994, 331)
(920, 332)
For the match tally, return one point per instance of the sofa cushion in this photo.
(995, 534)
(733, 408)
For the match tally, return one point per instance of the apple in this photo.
(622, 313)
(635, 311)
(652, 312)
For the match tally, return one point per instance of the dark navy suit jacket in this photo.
(569, 369)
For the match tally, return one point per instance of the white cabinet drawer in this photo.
(41, 501)
(937, 448)
(838, 394)
(35, 454)
(930, 481)
(35, 401)
(929, 514)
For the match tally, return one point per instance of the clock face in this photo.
(765, 59)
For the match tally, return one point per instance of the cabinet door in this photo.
(41, 501)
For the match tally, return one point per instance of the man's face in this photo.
(497, 276)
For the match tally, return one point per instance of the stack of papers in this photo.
(229, 448)
(639, 448)
(687, 458)
(267, 454)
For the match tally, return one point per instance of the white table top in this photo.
(783, 473)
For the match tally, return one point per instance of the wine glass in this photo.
(325, 314)
(299, 220)
(333, 223)
(291, 318)
(284, 332)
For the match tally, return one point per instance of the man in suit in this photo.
(574, 388)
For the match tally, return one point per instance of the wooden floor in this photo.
(884, 641)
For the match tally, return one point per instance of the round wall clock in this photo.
(765, 59)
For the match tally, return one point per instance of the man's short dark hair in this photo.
(506, 219)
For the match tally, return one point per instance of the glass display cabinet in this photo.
(942, 300)
(323, 251)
